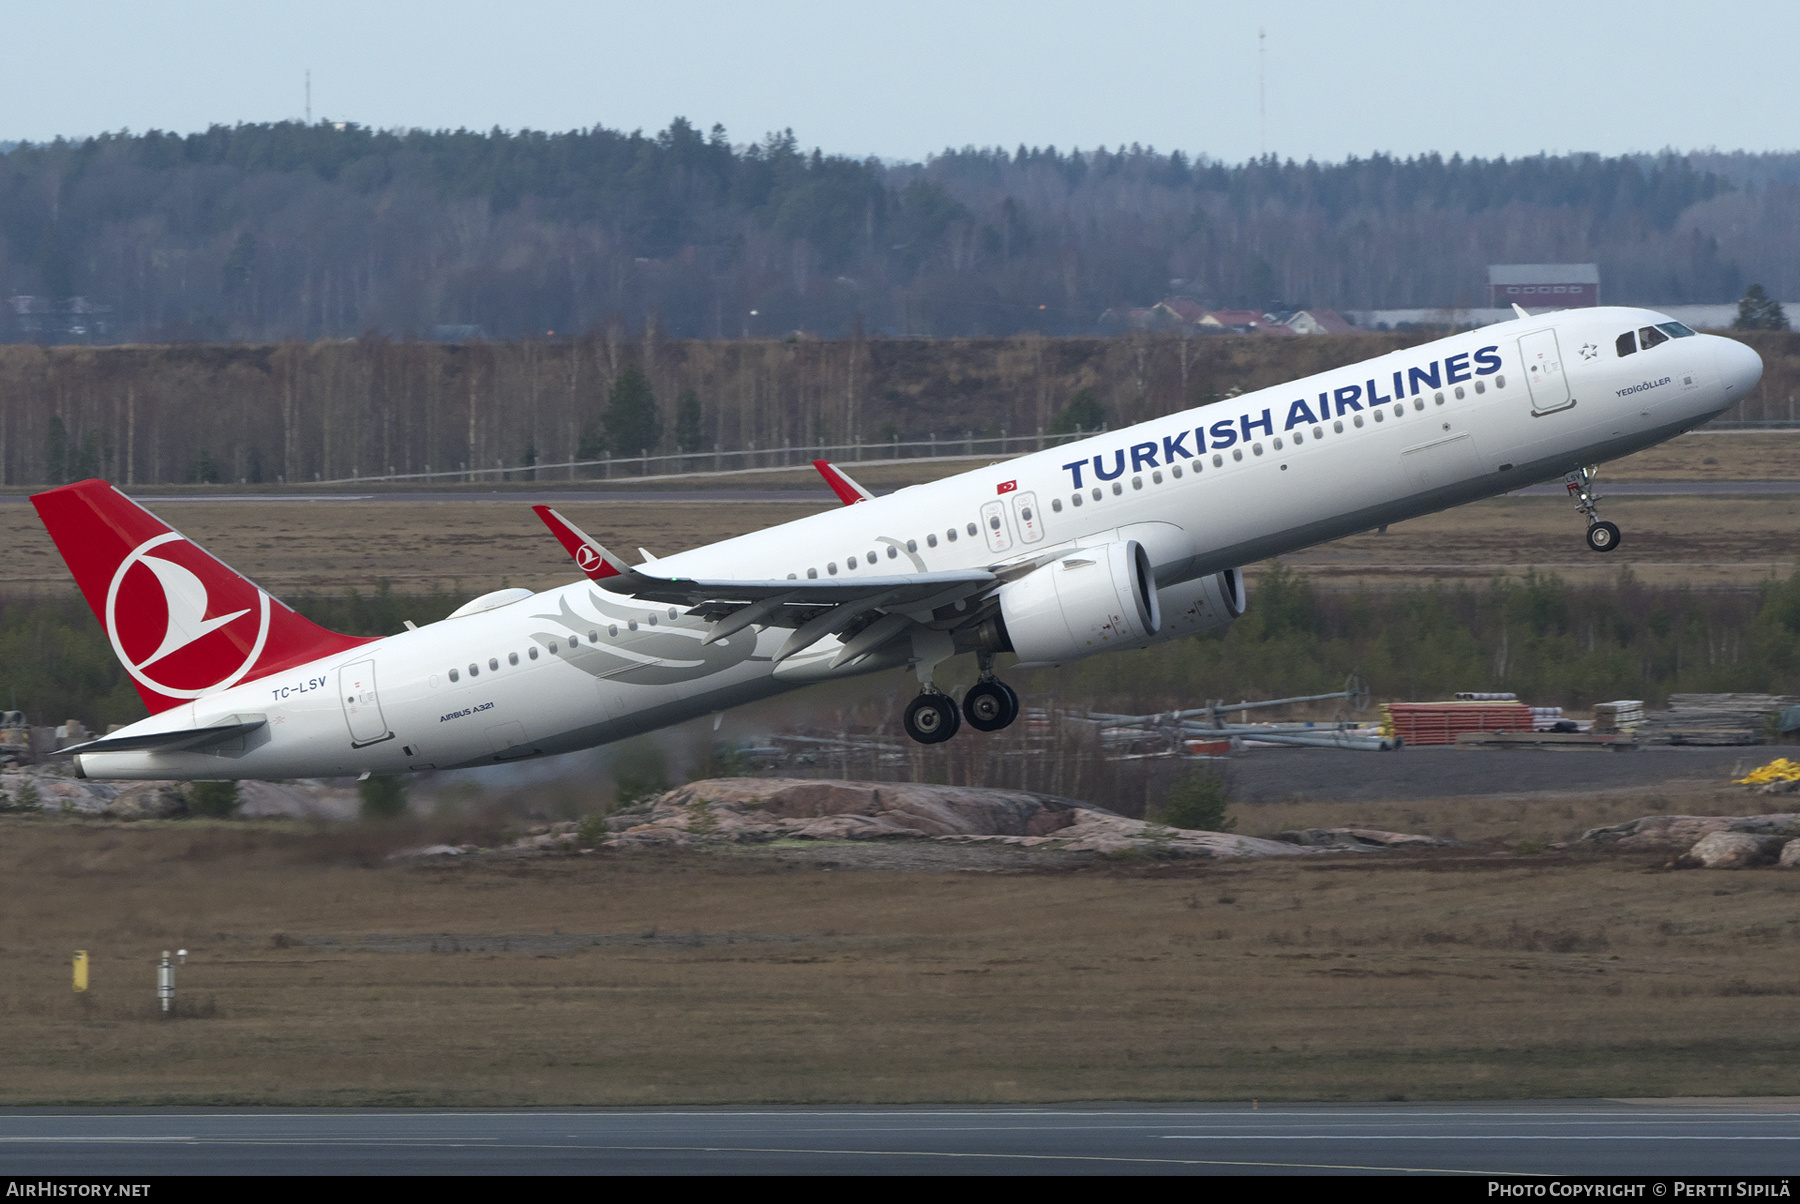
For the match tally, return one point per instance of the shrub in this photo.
(382, 798)
(591, 831)
(216, 799)
(1197, 802)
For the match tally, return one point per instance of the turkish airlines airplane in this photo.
(1120, 541)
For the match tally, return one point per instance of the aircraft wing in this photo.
(189, 739)
(815, 608)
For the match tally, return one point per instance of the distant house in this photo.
(1319, 321)
(60, 320)
(1544, 285)
(1241, 321)
(1177, 312)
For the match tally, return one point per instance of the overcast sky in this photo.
(901, 80)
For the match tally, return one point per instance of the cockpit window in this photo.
(1650, 336)
(1627, 344)
(1675, 330)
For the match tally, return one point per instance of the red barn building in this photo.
(1544, 285)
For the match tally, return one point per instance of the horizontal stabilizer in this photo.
(191, 739)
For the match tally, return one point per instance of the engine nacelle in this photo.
(1203, 604)
(1100, 599)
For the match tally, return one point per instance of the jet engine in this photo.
(1203, 604)
(1096, 599)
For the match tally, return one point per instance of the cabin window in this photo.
(931, 541)
(973, 530)
(613, 630)
(1357, 420)
(455, 676)
(1218, 460)
(831, 567)
(1438, 397)
(1156, 477)
(1196, 466)
(474, 670)
(1096, 493)
(1459, 393)
(1319, 432)
(1118, 489)
(512, 658)
(1378, 415)
(851, 562)
(494, 663)
(1499, 382)
(593, 637)
(532, 652)
(1237, 453)
(1418, 403)
(812, 574)
(552, 647)
(994, 522)
(791, 577)
(1025, 514)
(950, 535)
(631, 625)
(1338, 426)
(1137, 482)
(1650, 336)
(1056, 505)
(912, 545)
(1075, 499)
(575, 641)
(652, 619)
(1256, 448)
(893, 552)
(1277, 444)
(1175, 471)
(1481, 386)
(1299, 438)
(1399, 411)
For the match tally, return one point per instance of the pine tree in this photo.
(1083, 413)
(632, 425)
(1759, 311)
(690, 431)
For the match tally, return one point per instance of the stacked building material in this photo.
(1621, 716)
(1442, 722)
(1545, 719)
(1714, 719)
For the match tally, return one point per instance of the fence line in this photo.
(751, 459)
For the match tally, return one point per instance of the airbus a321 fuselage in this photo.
(1119, 541)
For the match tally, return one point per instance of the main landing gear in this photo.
(990, 705)
(1601, 536)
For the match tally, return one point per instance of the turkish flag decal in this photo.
(1007, 487)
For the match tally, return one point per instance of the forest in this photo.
(283, 231)
(345, 409)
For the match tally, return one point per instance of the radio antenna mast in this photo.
(1262, 104)
(309, 96)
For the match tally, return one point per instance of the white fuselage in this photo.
(1470, 419)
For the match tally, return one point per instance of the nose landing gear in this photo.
(1601, 536)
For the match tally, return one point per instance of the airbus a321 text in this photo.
(1119, 541)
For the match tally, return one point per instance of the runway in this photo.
(1595, 1137)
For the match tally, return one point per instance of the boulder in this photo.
(1362, 839)
(1790, 855)
(149, 800)
(1735, 850)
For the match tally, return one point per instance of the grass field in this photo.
(320, 973)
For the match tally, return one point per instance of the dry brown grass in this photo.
(757, 978)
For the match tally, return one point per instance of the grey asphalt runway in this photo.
(1601, 1137)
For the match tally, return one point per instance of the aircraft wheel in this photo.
(1602, 537)
(990, 706)
(931, 718)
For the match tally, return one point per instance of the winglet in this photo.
(1520, 310)
(590, 557)
(848, 491)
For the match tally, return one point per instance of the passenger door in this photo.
(1544, 372)
(362, 705)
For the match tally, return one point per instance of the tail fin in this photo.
(182, 624)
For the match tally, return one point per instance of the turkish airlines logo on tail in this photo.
(586, 558)
(175, 633)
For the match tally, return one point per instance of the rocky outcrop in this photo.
(750, 810)
(149, 800)
(1666, 831)
(1362, 839)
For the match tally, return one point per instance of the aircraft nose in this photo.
(1739, 367)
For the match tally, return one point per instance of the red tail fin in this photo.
(183, 624)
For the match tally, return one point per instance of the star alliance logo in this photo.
(1589, 351)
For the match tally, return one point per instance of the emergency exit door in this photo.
(1544, 377)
